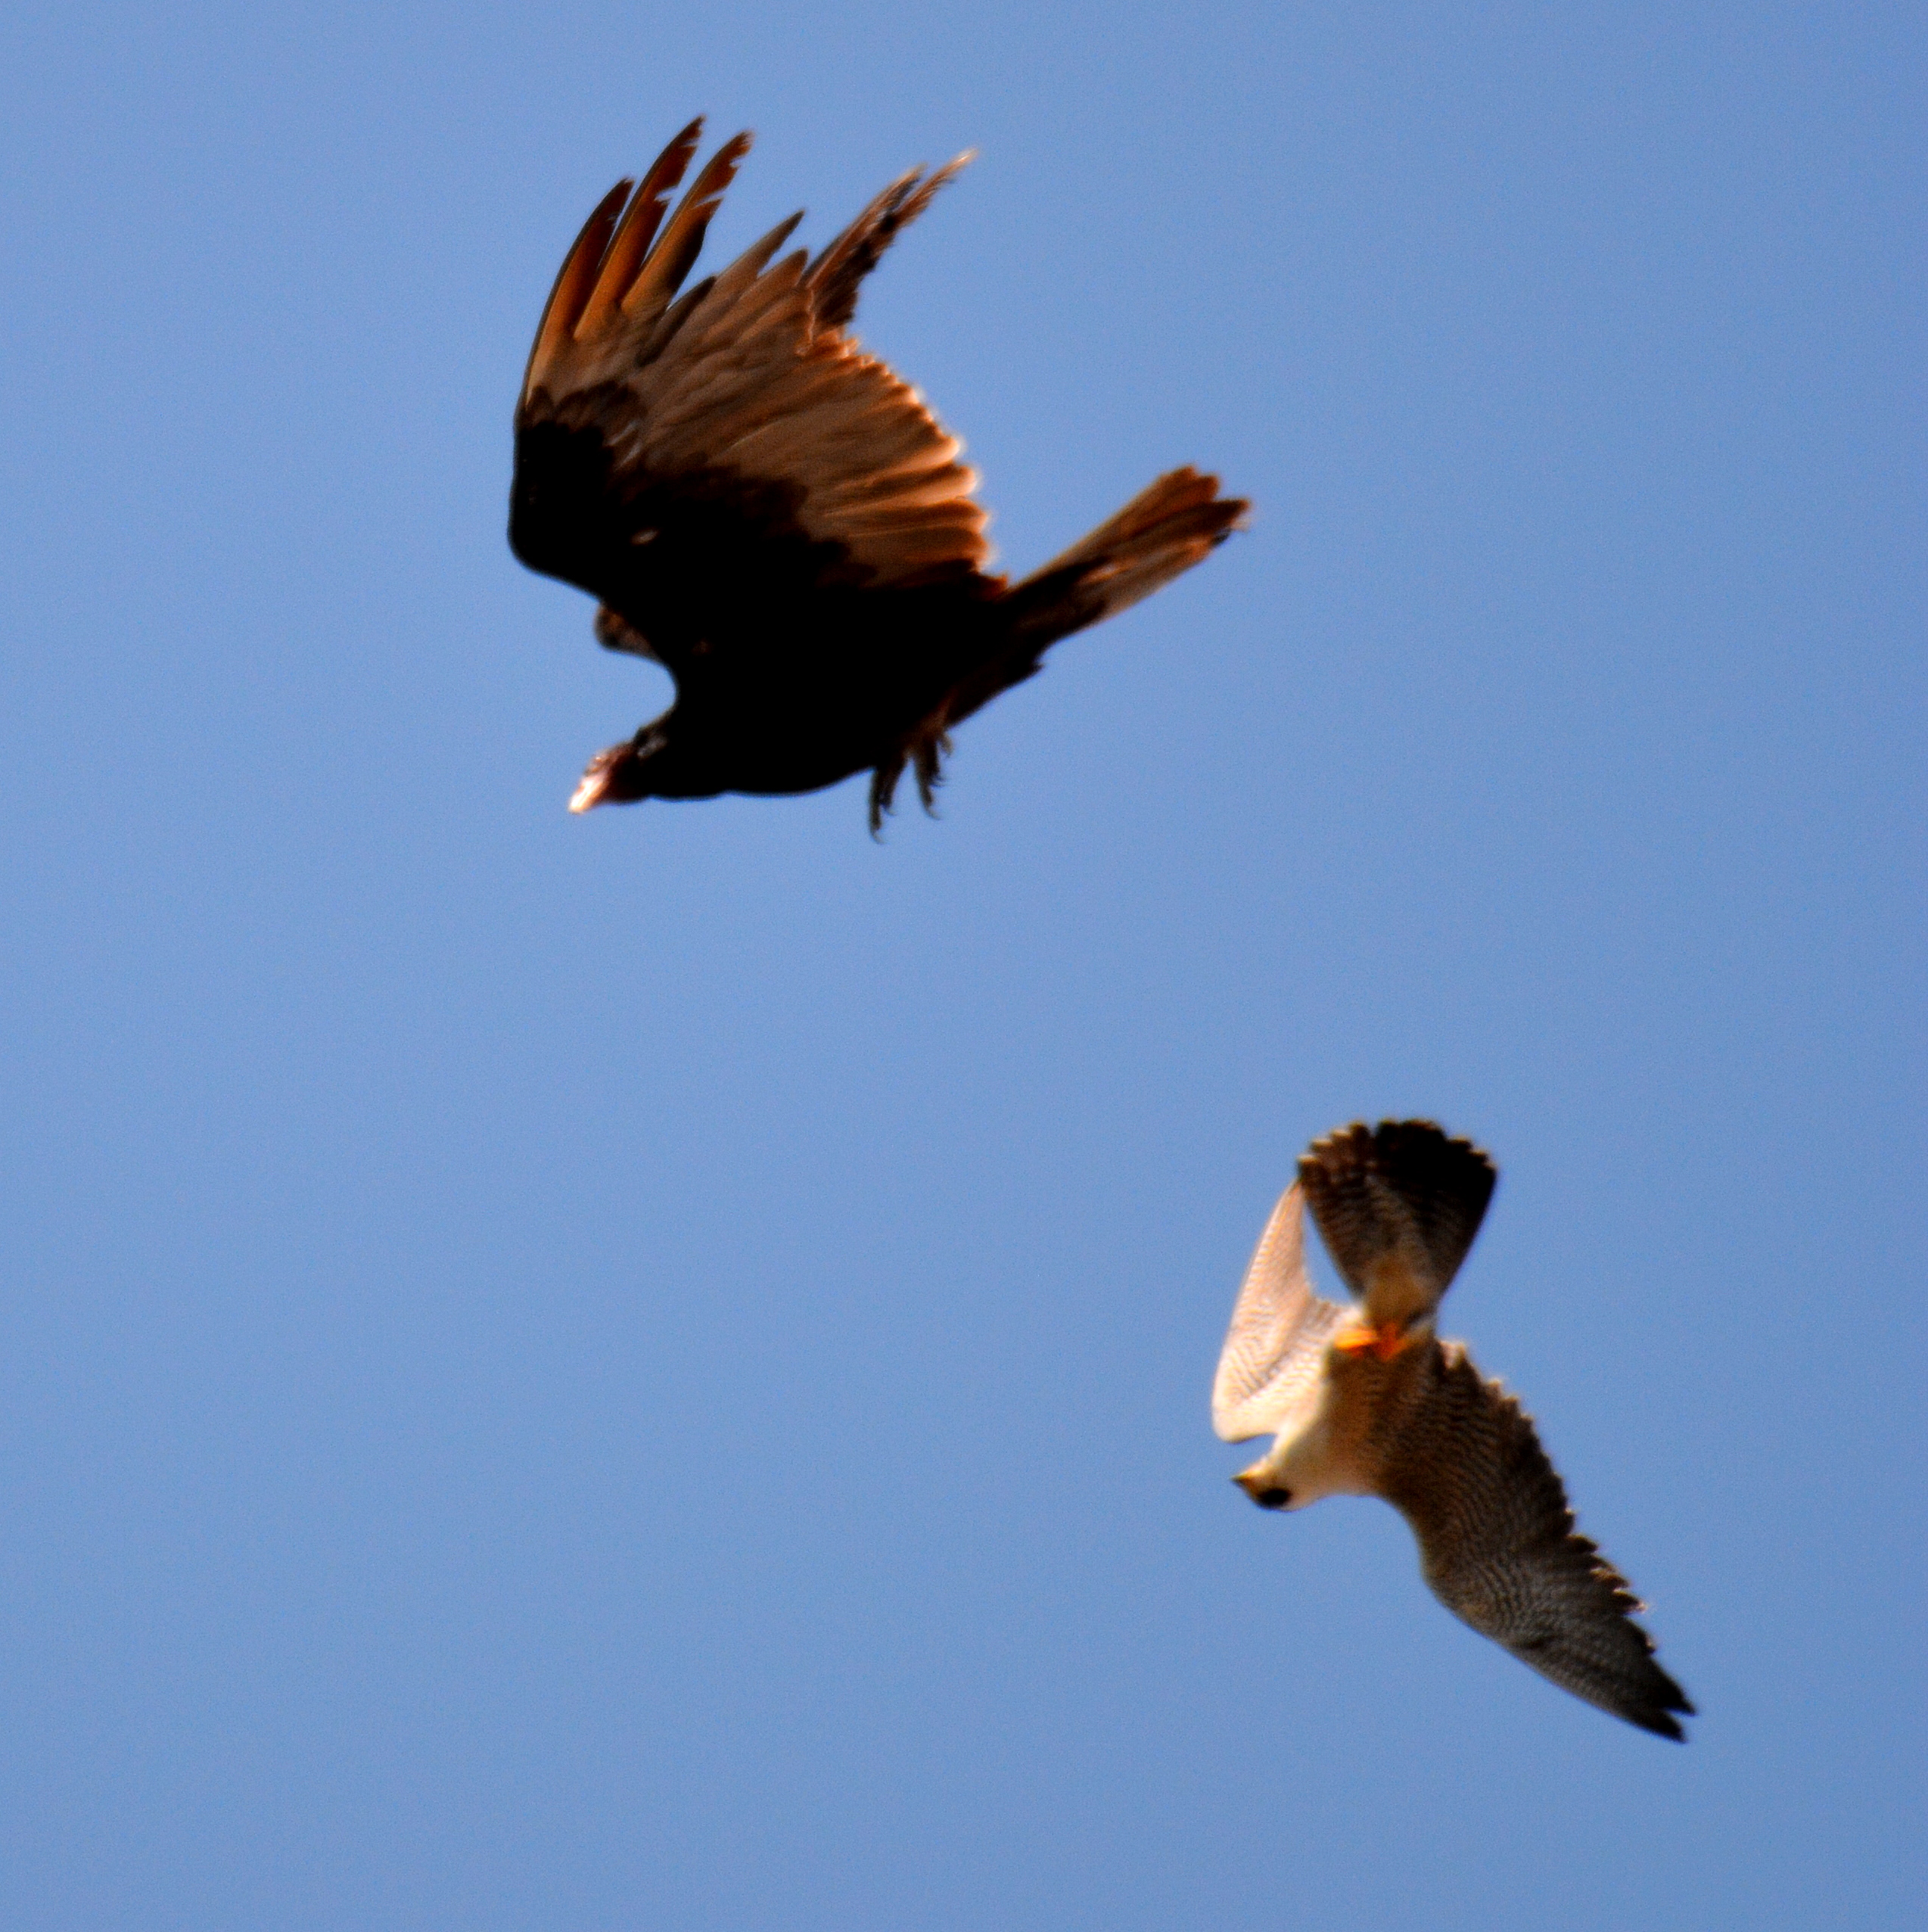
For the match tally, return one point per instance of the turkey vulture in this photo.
(774, 517)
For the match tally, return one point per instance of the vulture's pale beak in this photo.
(596, 781)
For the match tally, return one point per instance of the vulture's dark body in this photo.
(792, 674)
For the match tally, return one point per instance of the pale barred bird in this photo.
(1368, 1401)
(775, 517)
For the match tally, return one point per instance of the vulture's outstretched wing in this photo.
(1276, 1346)
(699, 461)
(1498, 1547)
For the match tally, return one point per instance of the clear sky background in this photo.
(652, 1371)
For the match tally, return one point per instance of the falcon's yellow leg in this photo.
(1385, 1341)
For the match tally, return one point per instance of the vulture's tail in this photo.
(1160, 535)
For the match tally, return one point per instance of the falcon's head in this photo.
(1266, 1491)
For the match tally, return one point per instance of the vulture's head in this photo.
(621, 775)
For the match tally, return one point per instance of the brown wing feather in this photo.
(664, 267)
(837, 273)
(575, 281)
(1498, 1546)
(629, 246)
(744, 406)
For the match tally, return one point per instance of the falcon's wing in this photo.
(693, 461)
(1498, 1547)
(1273, 1350)
(1398, 1206)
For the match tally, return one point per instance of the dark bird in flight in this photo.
(1368, 1401)
(776, 518)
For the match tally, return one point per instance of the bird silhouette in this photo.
(775, 517)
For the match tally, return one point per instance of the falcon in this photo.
(1368, 1401)
(776, 518)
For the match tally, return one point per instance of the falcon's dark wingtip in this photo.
(1658, 1717)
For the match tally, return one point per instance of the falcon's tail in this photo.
(1398, 1206)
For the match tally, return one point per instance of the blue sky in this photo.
(652, 1370)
